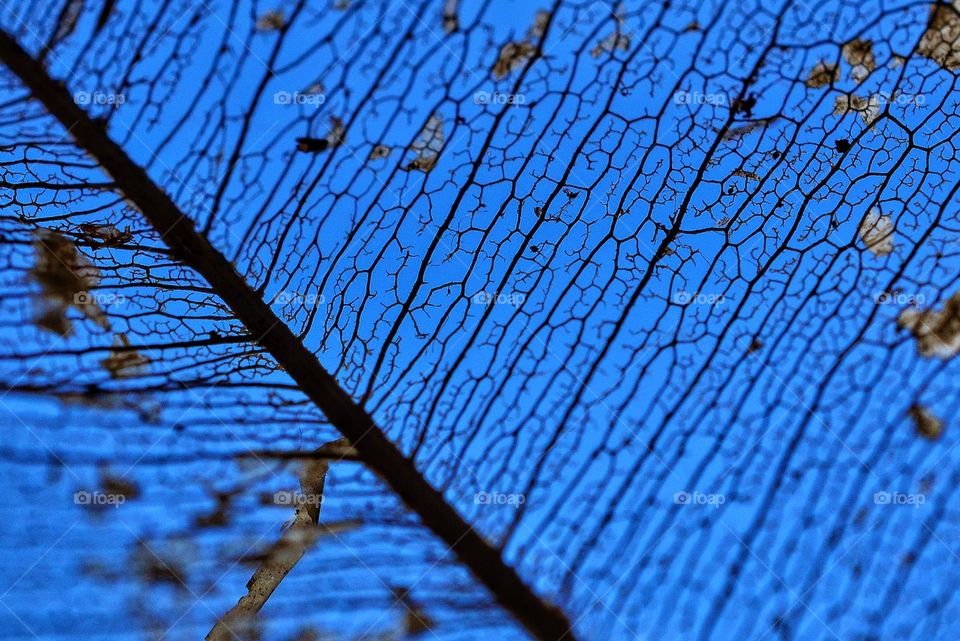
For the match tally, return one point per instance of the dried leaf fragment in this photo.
(277, 561)
(516, 54)
(107, 235)
(68, 19)
(379, 151)
(749, 175)
(869, 109)
(333, 138)
(925, 422)
(859, 54)
(937, 331)
(611, 43)
(941, 41)
(823, 73)
(118, 486)
(271, 21)
(65, 277)
(428, 145)
(739, 132)
(876, 232)
(450, 21)
(124, 362)
(512, 55)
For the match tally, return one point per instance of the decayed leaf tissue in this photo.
(441, 320)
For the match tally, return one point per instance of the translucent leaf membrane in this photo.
(661, 296)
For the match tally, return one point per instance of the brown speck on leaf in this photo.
(312, 145)
(823, 73)
(749, 175)
(514, 55)
(428, 145)
(937, 331)
(868, 109)
(271, 21)
(925, 423)
(155, 566)
(333, 138)
(611, 43)
(379, 151)
(450, 20)
(859, 55)
(739, 132)
(54, 319)
(118, 486)
(755, 346)
(124, 363)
